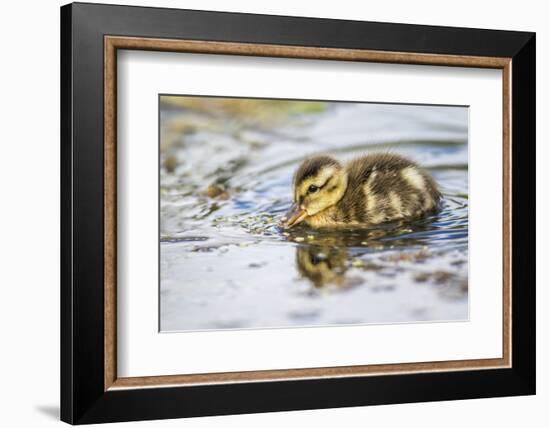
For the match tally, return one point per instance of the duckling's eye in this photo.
(312, 189)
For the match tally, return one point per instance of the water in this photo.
(226, 175)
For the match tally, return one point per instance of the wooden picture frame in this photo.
(91, 390)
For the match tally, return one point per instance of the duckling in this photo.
(368, 190)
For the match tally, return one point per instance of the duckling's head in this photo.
(319, 183)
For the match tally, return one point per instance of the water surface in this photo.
(226, 180)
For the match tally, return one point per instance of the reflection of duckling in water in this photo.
(322, 265)
(369, 190)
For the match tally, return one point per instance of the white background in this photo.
(29, 231)
(144, 352)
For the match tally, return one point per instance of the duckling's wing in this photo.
(385, 187)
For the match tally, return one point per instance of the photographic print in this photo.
(243, 210)
(278, 213)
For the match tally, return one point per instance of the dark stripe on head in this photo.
(311, 167)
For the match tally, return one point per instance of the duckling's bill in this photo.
(294, 216)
